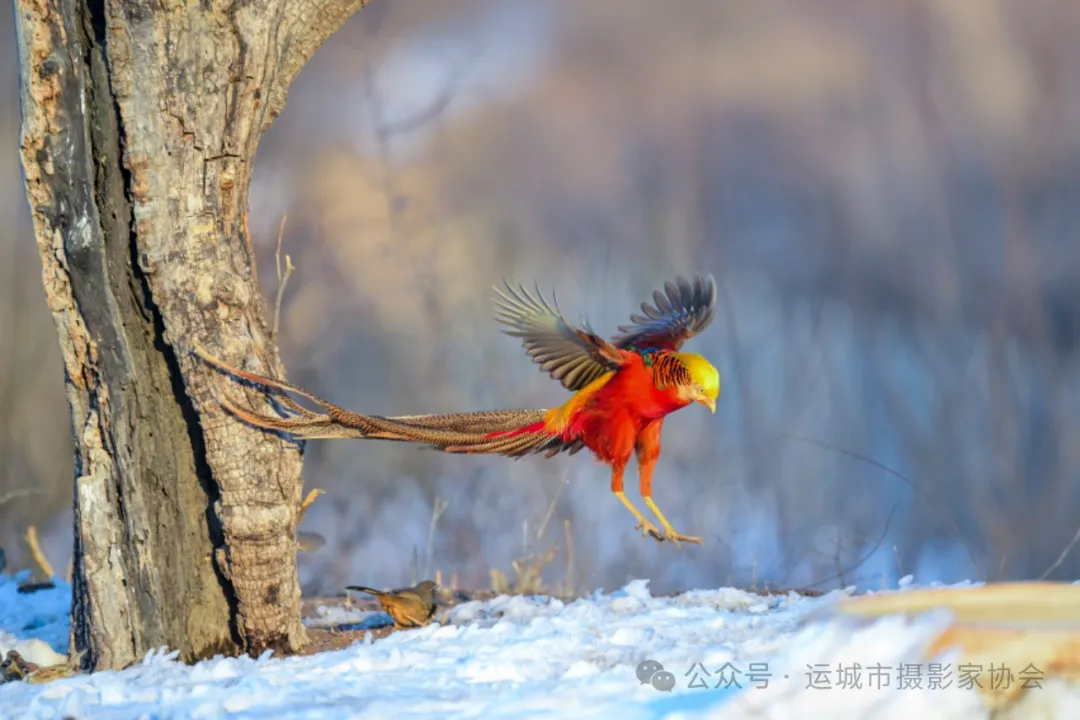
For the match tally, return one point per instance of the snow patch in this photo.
(516, 657)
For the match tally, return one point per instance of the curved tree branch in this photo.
(311, 23)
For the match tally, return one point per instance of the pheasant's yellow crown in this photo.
(702, 373)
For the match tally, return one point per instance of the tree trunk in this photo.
(140, 122)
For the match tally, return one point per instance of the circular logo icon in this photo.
(663, 681)
(646, 669)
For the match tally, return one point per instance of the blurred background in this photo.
(886, 193)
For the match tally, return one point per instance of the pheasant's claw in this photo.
(669, 532)
(648, 529)
(680, 538)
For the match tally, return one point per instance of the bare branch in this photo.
(310, 23)
(542, 528)
(417, 120)
(568, 535)
(15, 494)
(903, 478)
(1061, 558)
(38, 554)
(436, 515)
(864, 558)
(283, 274)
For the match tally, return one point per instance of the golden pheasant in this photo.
(623, 389)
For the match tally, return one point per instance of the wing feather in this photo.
(575, 356)
(681, 311)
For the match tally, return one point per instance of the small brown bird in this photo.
(408, 607)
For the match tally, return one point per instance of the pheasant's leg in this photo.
(648, 452)
(670, 533)
(646, 527)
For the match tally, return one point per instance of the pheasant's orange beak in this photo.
(709, 403)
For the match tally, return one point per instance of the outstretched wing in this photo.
(681, 311)
(573, 356)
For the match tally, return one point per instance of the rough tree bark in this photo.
(140, 122)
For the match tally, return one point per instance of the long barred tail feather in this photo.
(514, 433)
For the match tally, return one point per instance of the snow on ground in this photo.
(525, 657)
(36, 625)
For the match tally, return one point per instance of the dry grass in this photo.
(534, 558)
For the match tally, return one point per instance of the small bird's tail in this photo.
(514, 433)
(369, 591)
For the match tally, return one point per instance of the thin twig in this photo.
(531, 563)
(37, 553)
(15, 494)
(551, 509)
(864, 558)
(419, 119)
(282, 279)
(837, 558)
(436, 514)
(1064, 554)
(571, 583)
(907, 481)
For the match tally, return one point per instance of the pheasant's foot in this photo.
(678, 538)
(670, 534)
(646, 527)
(649, 530)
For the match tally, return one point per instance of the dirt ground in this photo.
(336, 637)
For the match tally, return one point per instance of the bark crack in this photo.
(139, 127)
(132, 548)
